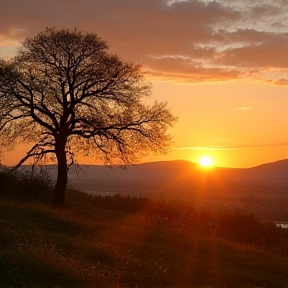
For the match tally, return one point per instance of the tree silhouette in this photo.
(67, 96)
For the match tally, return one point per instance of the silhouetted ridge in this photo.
(275, 172)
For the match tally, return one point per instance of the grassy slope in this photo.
(81, 246)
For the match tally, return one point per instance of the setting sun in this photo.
(206, 161)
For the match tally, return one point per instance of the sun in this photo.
(206, 162)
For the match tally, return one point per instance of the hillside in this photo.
(261, 190)
(91, 243)
(275, 172)
(122, 242)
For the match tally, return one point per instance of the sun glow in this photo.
(206, 162)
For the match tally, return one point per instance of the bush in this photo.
(26, 186)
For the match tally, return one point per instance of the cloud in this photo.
(199, 148)
(269, 53)
(280, 81)
(254, 104)
(186, 41)
(223, 148)
(244, 108)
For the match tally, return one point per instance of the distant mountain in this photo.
(166, 170)
(179, 179)
(146, 171)
(275, 172)
(270, 172)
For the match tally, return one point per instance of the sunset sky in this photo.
(222, 66)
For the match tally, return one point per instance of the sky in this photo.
(221, 65)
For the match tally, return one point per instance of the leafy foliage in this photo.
(66, 81)
(65, 92)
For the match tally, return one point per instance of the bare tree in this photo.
(67, 96)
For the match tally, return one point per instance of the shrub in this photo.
(26, 186)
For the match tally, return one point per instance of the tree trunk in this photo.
(58, 199)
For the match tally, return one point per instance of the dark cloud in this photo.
(271, 53)
(194, 40)
(247, 36)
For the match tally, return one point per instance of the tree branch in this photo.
(30, 153)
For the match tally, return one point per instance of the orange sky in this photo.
(238, 124)
(221, 65)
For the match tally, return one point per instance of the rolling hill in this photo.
(261, 190)
(275, 172)
(174, 177)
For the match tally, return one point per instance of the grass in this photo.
(92, 245)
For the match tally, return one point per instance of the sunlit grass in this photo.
(41, 246)
(88, 244)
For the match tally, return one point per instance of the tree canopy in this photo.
(66, 95)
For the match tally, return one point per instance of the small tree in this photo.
(68, 96)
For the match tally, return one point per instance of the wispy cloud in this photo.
(253, 104)
(187, 41)
(244, 108)
(204, 148)
(223, 148)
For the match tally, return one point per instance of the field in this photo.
(134, 242)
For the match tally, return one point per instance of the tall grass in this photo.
(131, 242)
